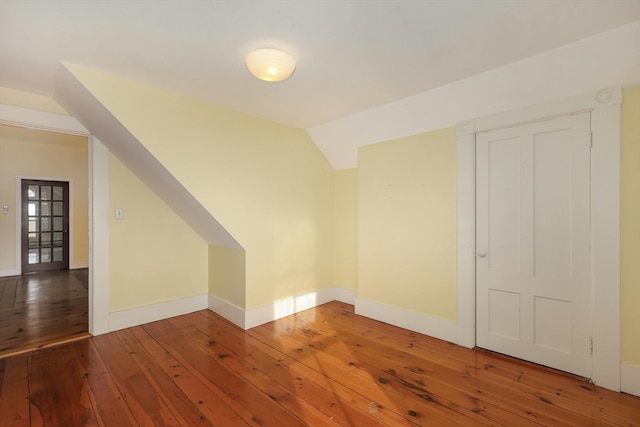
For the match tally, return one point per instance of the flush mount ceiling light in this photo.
(270, 65)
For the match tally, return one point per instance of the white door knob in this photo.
(481, 254)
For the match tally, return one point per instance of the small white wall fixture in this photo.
(604, 105)
(98, 203)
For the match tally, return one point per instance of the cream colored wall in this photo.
(227, 274)
(30, 100)
(35, 153)
(346, 228)
(630, 226)
(267, 184)
(153, 255)
(407, 223)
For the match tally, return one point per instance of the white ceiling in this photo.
(352, 55)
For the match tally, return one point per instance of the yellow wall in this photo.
(630, 226)
(29, 100)
(35, 153)
(153, 255)
(227, 274)
(267, 184)
(346, 229)
(407, 223)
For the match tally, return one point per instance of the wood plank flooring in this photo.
(41, 309)
(323, 367)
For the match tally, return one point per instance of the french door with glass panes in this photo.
(45, 225)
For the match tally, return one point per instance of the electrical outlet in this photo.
(5, 209)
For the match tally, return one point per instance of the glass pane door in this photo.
(45, 225)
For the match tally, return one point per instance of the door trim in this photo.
(604, 105)
(98, 203)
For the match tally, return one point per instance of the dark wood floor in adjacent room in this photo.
(322, 367)
(41, 309)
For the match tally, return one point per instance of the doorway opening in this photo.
(44, 260)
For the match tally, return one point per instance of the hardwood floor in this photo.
(322, 367)
(37, 310)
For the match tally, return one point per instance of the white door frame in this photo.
(604, 105)
(98, 203)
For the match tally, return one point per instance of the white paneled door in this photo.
(533, 287)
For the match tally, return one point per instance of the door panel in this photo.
(504, 181)
(45, 225)
(532, 235)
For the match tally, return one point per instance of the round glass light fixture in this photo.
(270, 65)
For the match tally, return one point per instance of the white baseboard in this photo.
(78, 266)
(286, 307)
(247, 319)
(7, 273)
(630, 378)
(150, 313)
(412, 320)
(229, 311)
(348, 296)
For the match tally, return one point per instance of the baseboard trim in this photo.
(288, 306)
(630, 378)
(7, 273)
(150, 313)
(229, 311)
(78, 266)
(407, 319)
(347, 296)
(247, 319)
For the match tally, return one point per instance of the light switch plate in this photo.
(119, 213)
